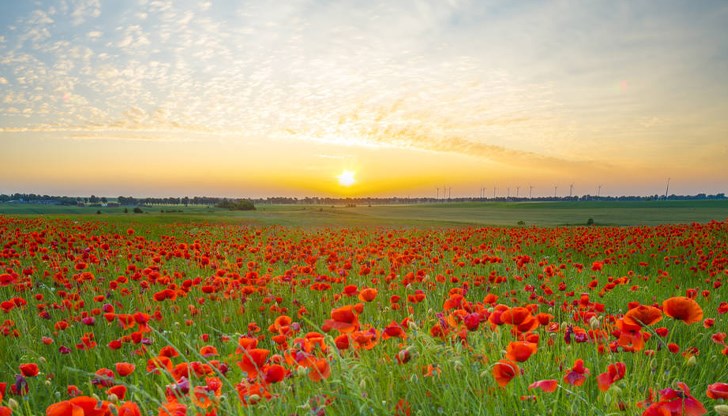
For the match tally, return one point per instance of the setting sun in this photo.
(347, 178)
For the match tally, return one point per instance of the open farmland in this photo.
(136, 316)
(442, 214)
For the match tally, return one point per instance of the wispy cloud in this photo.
(519, 83)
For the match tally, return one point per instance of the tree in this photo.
(236, 205)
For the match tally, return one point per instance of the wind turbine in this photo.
(667, 187)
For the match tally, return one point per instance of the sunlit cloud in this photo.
(555, 87)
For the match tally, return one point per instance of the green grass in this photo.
(660, 262)
(445, 214)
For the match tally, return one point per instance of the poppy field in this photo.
(222, 319)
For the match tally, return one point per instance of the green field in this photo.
(445, 214)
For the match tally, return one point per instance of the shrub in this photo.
(236, 205)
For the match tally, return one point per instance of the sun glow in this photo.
(347, 178)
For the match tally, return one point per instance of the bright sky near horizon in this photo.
(254, 98)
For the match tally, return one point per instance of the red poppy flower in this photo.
(161, 362)
(393, 330)
(614, 372)
(520, 351)
(118, 390)
(173, 408)
(343, 319)
(251, 393)
(29, 369)
(717, 391)
(368, 294)
(208, 351)
(683, 308)
(129, 409)
(577, 374)
(504, 371)
(253, 361)
(548, 386)
(168, 351)
(318, 368)
(274, 373)
(124, 369)
(82, 405)
(676, 402)
(520, 318)
(643, 315)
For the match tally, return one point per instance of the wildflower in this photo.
(504, 371)
(253, 361)
(614, 373)
(124, 369)
(520, 318)
(676, 402)
(717, 391)
(343, 319)
(642, 315)
(548, 386)
(520, 351)
(82, 405)
(577, 374)
(368, 294)
(683, 309)
(29, 369)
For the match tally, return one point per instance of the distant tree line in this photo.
(228, 203)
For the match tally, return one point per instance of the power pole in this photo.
(518, 188)
(555, 188)
(438, 194)
(599, 190)
(530, 191)
(571, 188)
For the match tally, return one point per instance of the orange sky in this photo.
(206, 98)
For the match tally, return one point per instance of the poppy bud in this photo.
(594, 322)
(692, 361)
(13, 404)
(721, 409)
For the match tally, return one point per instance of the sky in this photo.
(404, 98)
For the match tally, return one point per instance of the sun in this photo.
(347, 178)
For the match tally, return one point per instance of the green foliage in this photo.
(236, 205)
(137, 210)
